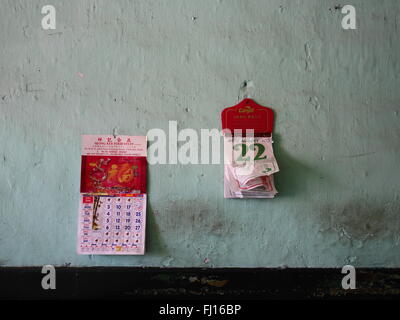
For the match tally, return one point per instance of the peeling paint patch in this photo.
(308, 60)
(358, 155)
(211, 281)
(336, 8)
(31, 87)
(214, 283)
(314, 102)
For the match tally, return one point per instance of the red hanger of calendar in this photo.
(248, 115)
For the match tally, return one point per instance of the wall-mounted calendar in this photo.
(112, 211)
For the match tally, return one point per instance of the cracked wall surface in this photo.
(129, 66)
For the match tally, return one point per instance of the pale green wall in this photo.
(336, 94)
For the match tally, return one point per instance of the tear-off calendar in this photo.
(249, 161)
(112, 210)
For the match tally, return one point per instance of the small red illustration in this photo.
(113, 174)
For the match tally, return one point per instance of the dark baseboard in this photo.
(197, 283)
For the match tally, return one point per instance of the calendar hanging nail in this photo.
(249, 158)
(112, 216)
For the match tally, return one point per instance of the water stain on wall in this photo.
(197, 216)
(360, 219)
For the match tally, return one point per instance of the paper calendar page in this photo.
(112, 209)
(249, 167)
(112, 225)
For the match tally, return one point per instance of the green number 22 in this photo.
(243, 148)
